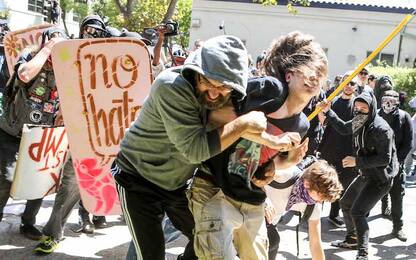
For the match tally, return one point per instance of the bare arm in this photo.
(29, 70)
(156, 51)
(315, 243)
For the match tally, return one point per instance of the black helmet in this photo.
(113, 32)
(47, 34)
(93, 21)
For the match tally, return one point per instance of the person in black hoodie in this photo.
(383, 84)
(376, 161)
(401, 123)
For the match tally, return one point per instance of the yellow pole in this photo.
(383, 44)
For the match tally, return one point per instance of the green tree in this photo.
(290, 4)
(146, 14)
(78, 7)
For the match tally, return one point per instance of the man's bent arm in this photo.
(27, 71)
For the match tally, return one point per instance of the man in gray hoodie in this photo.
(171, 137)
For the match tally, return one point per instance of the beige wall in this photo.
(259, 25)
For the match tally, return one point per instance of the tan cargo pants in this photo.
(224, 227)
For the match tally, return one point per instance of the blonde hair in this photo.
(323, 178)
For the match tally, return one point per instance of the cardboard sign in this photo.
(102, 84)
(15, 42)
(43, 152)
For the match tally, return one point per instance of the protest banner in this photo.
(16, 41)
(102, 84)
(42, 153)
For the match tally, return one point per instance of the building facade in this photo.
(348, 32)
(25, 13)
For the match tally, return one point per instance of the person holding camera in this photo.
(30, 97)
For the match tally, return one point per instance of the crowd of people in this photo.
(223, 147)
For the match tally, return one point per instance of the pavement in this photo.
(112, 242)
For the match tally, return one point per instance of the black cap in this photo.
(266, 94)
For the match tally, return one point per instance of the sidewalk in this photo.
(112, 242)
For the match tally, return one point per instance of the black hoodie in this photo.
(401, 123)
(373, 144)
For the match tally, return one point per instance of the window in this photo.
(382, 58)
(76, 17)
(35, 6)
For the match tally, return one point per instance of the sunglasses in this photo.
(352, 83)
(363, 73)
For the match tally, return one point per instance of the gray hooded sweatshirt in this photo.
(169, 139)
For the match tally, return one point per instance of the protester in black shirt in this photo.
(334, 147)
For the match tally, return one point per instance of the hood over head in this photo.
(370, 99)
(224, 59)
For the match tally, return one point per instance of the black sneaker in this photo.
(85, 226)
(336, 221)
(47, 246)
(361, 256)
(399, 234)
(30, 232)
(99, 222)
(348, 243)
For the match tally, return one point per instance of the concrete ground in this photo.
(112, 242)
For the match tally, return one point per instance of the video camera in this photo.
(151, 33)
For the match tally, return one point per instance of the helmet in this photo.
(179, 54)
(95, 22)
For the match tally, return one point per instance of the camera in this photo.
(172, 28)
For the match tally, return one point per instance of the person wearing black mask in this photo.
(93, 27)
(383, 84)
(401, 123)
(376, 160)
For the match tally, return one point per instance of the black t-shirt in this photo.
(233, 168)
(334, 146)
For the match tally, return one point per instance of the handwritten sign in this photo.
(43, 152)
(102, 84)
(16, 41)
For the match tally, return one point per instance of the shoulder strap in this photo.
(286, 184)
(302, 219)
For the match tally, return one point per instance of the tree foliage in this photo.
(78, 7)
(290, 4)
(404, 79)
(146, 14)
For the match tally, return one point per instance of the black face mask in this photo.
(359, 120)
